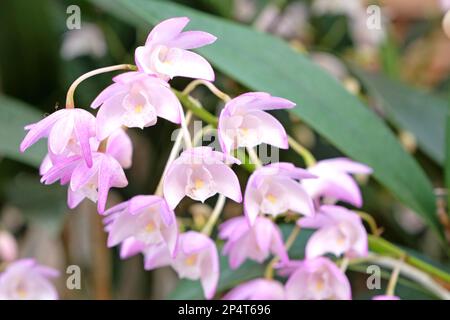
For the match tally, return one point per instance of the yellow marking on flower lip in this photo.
(199, 183)
(150, 227)
(244, 131)
(340, 240)
(168, 62)
(91, 186)
(138, 108)
(320, 285)
(271, 198)
(72, 141)
(191, 260)
(22, 293)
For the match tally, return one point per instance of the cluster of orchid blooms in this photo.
(89, 155)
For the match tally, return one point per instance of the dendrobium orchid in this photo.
(257, 289)
(135, 99)
(146, 219)
(274, 189)
(166, 54)
(200, 173)
(27, 280)
(68, 131)
(340, 231)
(197, 258)
(317, 279)
(334, 180)
(93, 183)
(244, 123)
(253, 242)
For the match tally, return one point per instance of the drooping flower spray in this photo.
(89, 154)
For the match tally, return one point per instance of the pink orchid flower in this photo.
(166, 54)
(385, 297)
(317, 279)
(8, 247)
(135, 100)
(274, 189)
(257, 289)
(93, 183)
(200, 173)
(255, 242)
(334, 180)
(197, 258)
(147, 219)
(341, 231)
(244, 123)
(68, 130)
(119, 145)
(27, 280)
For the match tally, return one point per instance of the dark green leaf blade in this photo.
(421, 113)
(14, 115)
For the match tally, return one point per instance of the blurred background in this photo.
(400, 71)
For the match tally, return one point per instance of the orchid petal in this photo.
(272, 131)
(107, 93)
(60, 134)
(109, 117)
(226, 181)
(174, 185)
(192, 40)
(167, 30)
(191, 65)
(41, 129)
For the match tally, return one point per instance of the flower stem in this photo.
(254, 157)
(195, 107)
(302, 151)
(370, 221)
(207, 229)
(173, 154)
(218, 93)
(268, 274)
(199, 135)
(393, 280)
(70, 93)
(185, 133)
(344, 264)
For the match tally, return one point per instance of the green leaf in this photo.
(223, 7)
(421, 113)
(265, 63)
(14, 115)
